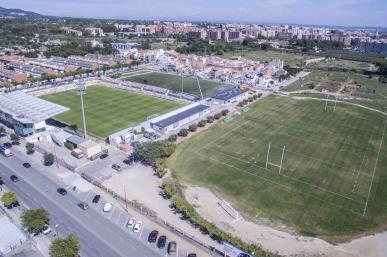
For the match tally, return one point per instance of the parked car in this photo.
(26, 165)
(103, 156)
(107, 207)
(15, 143)
(46, 229)
(14, 178)
(192, 255)
(7, 145)
(83, 205)
(152, 238)
(161, 242)
(172, 248)
(116, 167)
(96, 198)
(137, 227)
(243, 255)
(62, 191)
(131, 222)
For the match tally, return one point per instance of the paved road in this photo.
(98, 236)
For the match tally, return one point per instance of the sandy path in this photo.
(286, 243)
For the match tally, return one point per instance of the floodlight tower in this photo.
(81, 92)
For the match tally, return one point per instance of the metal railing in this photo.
(135, 205)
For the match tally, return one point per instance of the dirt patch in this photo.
(286, 243)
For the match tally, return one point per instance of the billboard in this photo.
(232, 251)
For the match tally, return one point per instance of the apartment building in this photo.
(18, 77)
(71, 31)
(95, 32)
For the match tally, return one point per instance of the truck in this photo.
(5, 151)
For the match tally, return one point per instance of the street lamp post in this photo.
(82, 92)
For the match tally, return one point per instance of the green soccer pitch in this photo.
(108, 110)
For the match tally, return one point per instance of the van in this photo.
(172, 248)
(77, 153)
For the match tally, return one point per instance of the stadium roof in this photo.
(180, 116)
(228, 94)
(29, 109)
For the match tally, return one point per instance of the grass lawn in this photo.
(108, 110)
(265, 56)
(174, 82)
(334, 168)
(367, 91)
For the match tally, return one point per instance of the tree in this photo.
(2, 130)
(65, 247)
(149, 152)
(225, 112)
(202, 123)
(34, 220)
(217, 116)
(210, 119)
(48, 159)
(161, 166)
(14, 137)
(183, 133)
(193, 127)
(30, 148)
(172, 138)
(9, 198)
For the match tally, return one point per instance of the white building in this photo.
(177, 119)
(230, 95)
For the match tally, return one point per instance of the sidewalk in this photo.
(41, 242)
(69, 179)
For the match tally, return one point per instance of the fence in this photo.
(153, 215)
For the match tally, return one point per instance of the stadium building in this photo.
(177, 119)
(27, 114)
(230, 95)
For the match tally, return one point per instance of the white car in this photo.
(46, 230)
(107, 207)
(131, 223)
(137, 227)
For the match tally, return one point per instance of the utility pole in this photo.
(82, 92)
(126, 201)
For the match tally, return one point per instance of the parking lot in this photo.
(120, 218)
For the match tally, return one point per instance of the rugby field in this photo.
(333, 178)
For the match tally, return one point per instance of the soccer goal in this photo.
(229, 210)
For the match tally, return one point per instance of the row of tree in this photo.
(193, 127)
(34, 222)
(188, 212)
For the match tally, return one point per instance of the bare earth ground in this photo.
(142, 185)
(286, 243)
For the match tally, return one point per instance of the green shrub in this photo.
(183, 133)
(149, 152)
(225, 112)
(210, 119)
(169, 189)
(69, 146)
(202, 123)
(217, 116)
(172, 138)
(193, 127)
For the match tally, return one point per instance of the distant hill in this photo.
(18, 13)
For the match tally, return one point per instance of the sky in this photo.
(314, 12)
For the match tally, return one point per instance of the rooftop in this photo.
(180, 116)
(228, 94)
(29, 109)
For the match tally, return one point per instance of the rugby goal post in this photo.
(274, 164)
